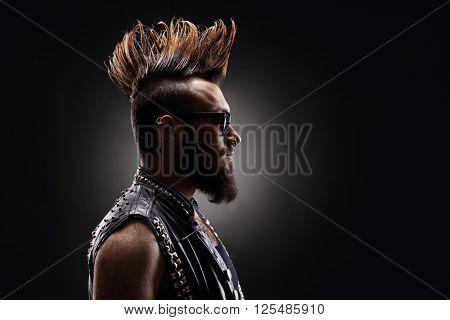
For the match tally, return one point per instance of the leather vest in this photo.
(196, 268)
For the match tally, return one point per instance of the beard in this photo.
(220, 187)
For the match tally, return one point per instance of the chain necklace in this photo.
(209, 226)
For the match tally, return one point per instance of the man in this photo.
(155, 243)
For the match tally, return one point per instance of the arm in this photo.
(129, 264)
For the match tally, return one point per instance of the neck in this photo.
(183, 184)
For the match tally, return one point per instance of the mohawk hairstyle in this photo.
(178, 49)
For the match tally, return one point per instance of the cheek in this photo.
(219, 147)
(212, 143)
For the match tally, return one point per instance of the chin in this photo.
(220, 187)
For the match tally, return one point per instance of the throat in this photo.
(184, 185)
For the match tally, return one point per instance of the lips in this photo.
(229, 155)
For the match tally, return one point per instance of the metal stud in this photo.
(241, 294)
(228, 274)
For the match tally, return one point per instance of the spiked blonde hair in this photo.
(179, 49)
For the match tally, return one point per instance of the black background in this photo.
(378, 148)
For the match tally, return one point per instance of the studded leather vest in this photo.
(196, 268)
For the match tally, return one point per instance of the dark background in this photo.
(378, 148)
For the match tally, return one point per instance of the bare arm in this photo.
(129, 264)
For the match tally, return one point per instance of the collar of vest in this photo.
(189, 204)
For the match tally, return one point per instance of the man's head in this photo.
(172, 78)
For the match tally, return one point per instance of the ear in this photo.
(166, 124)
(164, 119)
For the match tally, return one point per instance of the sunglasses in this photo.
(222, 118)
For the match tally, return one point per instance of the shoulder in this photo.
(129, 264)
(134, 239)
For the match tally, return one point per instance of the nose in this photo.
(233, 135)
